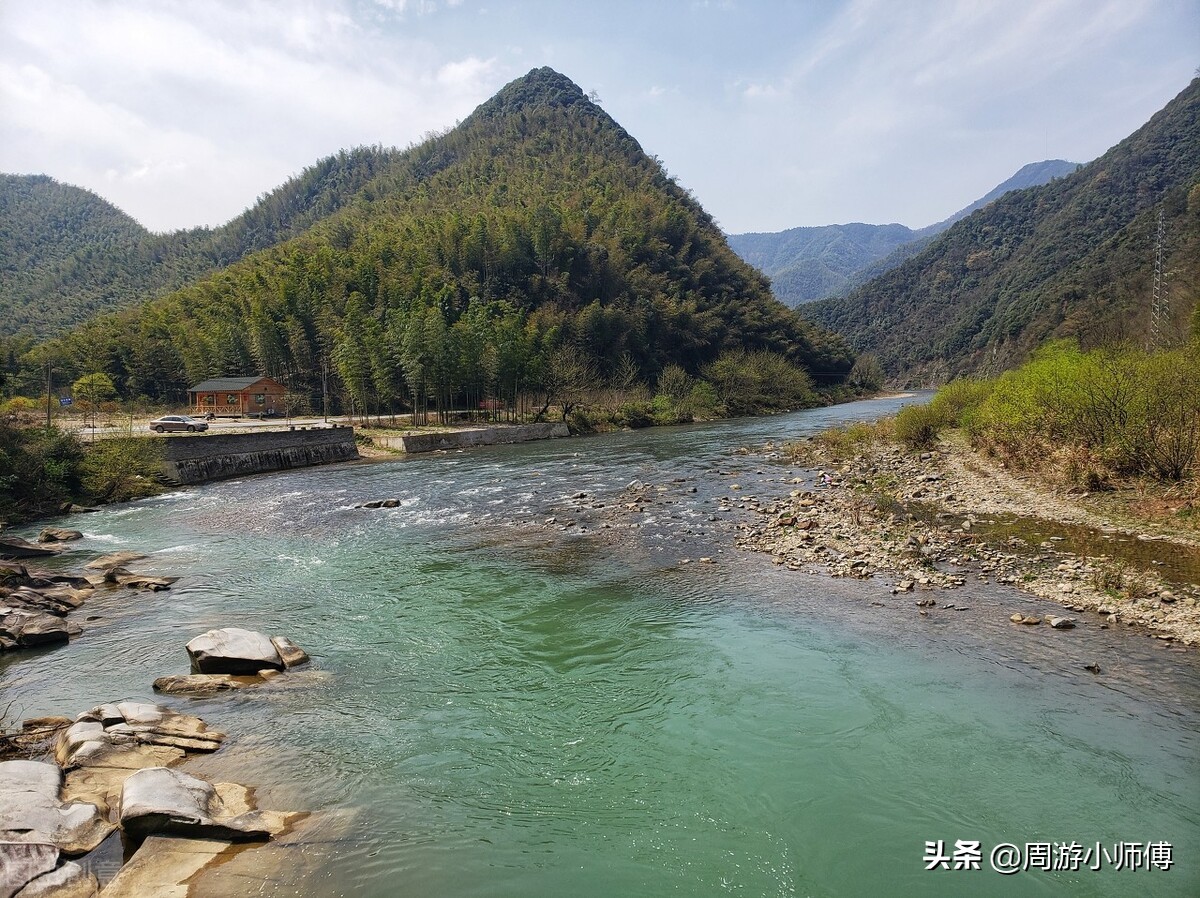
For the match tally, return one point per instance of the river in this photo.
(509, 698)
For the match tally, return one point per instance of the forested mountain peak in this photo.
(539, 88)
(49, 232)
(534, 228)
(1072, 258)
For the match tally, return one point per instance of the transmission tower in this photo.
(1160, 308)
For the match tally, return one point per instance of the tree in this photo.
(93, 389)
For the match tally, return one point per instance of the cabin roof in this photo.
(235, 384)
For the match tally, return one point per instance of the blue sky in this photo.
(776, 114)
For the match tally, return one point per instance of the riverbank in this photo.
(932, 521)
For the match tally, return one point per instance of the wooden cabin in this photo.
(237, 397)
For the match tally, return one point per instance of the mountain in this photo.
(1072, 258)
(807, 264)
(535, 237)
(66, 254)
(48, 233)
(1035, 174)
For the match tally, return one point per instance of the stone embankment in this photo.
(469, 437)
(200, 458)
(924, 521)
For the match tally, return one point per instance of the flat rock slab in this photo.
(163, 867)
(15, 547)
(289, 653)
(159, 801)
(113, 560)
(31, 807)
(67, 881)
(205, 684)
(23, 862)
(232, 650)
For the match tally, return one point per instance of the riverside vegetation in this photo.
(1103, 446)
(43, 470)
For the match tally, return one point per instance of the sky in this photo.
(775, 114)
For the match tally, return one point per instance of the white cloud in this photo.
(214, 102)
(183, 112)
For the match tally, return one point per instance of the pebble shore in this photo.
(923, 521)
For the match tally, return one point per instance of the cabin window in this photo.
(231, 399)
(210, 400)
(260, 398)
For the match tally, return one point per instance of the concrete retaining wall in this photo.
(482, 436)
(198, 459)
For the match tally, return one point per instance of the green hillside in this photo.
(66, 254)
(1073, 258)
(536, 233)
(806, 264)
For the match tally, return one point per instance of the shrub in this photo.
(957, 402)
(635, 413)
(117, 469)
(1122, 409)
(749, 383)
(39, 470)
(917, 426)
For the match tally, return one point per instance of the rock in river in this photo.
(203, 684)
(58, 535)
(15, 547)
(23, 628)
(162, 801)
(30, 807)
(232, 650)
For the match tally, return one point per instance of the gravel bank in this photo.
(932, 521)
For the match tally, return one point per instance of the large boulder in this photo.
(24, 628)
(232, 650)
(165, 802)
(30, 806)
(107, 744)
(58, 535)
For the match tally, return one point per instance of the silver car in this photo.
(177, 422)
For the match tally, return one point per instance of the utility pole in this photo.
(49, 370)
(1160, 304)
(325, 388)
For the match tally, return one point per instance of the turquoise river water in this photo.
(508, 698)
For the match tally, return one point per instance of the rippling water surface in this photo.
(500, 706)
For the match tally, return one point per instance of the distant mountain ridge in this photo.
(67, 254)
(1072, 258)
(810, 263)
